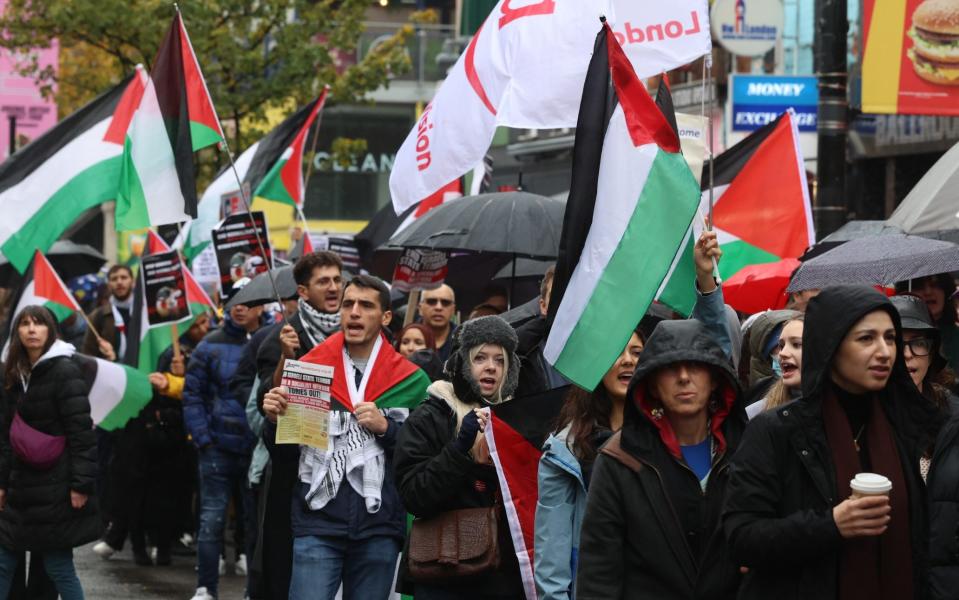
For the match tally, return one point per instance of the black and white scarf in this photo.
(317, 325)
(119, 323)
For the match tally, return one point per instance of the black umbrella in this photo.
(69, 259)
(260, 289)
(515, 223)
(877, 260)
(525, 268)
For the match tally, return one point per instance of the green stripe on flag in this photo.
(59, 311)
(740, 254)
(634, 273)
(680, 292)
(202, 136)
(137, 393)
(408, 393)
(272, 187)
(89, 188)
(131, 211)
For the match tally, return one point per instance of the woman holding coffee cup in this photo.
(792, 516)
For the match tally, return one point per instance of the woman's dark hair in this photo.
(17, 360)
(427, 336)
(586, 412)
(589, 412)
(944, 282)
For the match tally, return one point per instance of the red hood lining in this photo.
(665, 428)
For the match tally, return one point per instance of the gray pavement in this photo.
(120, 579)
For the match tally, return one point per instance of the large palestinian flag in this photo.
(175, 118)
(516, 434)
(145, 343)
(252, 166)
(47, 185)
(393, 383)
(632, 200)
(762, 212)
(284, 181)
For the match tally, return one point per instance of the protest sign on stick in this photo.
(165, 288)
(242, 250)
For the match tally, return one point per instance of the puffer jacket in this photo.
(212, 412)
(650, 529)
(38, 515)
(559, 517)
(778, 514)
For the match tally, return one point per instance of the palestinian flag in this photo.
(302, 247)
(146, 344)
(47, 185)
(284, 181)
(516, 434)
(175, 118)
(252, 166)
(117, 392)
(632, 200)
(44, 287)
(753, 224)
(394, 382)
(41, 287)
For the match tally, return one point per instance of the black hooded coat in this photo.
(650, 531)
(778, 515)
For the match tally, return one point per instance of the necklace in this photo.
(855, 440)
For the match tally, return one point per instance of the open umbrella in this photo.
(488, 231)
(878, 260)
(760, 287)
(260, 289)
(513, 223)
(69, 259)
(932, 204)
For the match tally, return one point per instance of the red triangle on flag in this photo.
(292, 172)
(128, 104)
(645, 120)
(47, 284)
(767, 203)
(199, 103)
(307, 244)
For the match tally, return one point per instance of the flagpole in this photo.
(309, 163)
(90, 326)
(707, 75)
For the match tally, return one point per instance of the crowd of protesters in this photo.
(715, 459)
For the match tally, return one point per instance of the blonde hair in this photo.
(779, 394)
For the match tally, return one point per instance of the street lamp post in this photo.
(831, 204)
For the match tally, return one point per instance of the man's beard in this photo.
(123, 298)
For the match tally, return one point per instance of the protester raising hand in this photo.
(704, 252)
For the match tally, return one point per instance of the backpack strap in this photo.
(614, 449)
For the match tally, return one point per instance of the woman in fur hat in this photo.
(441, 460)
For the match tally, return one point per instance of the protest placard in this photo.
(420, 269)
(238, 251)
(307, 416)
(165, 289)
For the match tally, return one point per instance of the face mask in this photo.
(777, 368)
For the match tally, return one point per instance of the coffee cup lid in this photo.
(871, 482)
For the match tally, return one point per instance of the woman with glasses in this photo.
(939, 465)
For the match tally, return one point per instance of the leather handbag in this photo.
(455, 544)
(35, 448)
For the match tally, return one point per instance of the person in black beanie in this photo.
(442, 462)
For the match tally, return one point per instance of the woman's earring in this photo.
(657, 413)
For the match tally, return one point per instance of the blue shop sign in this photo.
(759, 99)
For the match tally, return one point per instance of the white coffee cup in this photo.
(870, 484)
